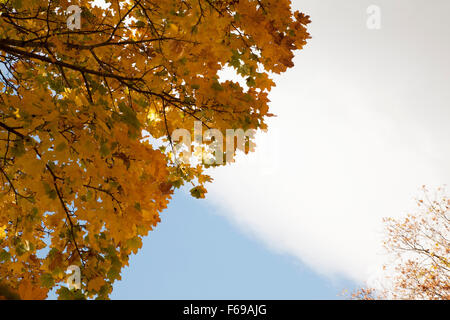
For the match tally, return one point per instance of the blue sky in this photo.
(196, 253)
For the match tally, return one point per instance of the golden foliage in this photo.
(81, 180)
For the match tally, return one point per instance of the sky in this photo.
(362, 124)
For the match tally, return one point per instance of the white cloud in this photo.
(362, 124)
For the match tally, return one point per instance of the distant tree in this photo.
(420, 247)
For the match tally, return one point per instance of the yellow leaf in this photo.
(27, 291)
(96, 284)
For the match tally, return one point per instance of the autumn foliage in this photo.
(419, 247)
(81, 179)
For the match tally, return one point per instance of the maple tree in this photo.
(81, 178)
(419, 245)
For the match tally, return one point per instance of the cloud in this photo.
(362, 124)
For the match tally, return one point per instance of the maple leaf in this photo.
(28, 291)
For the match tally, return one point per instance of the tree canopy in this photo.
(82, 180)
